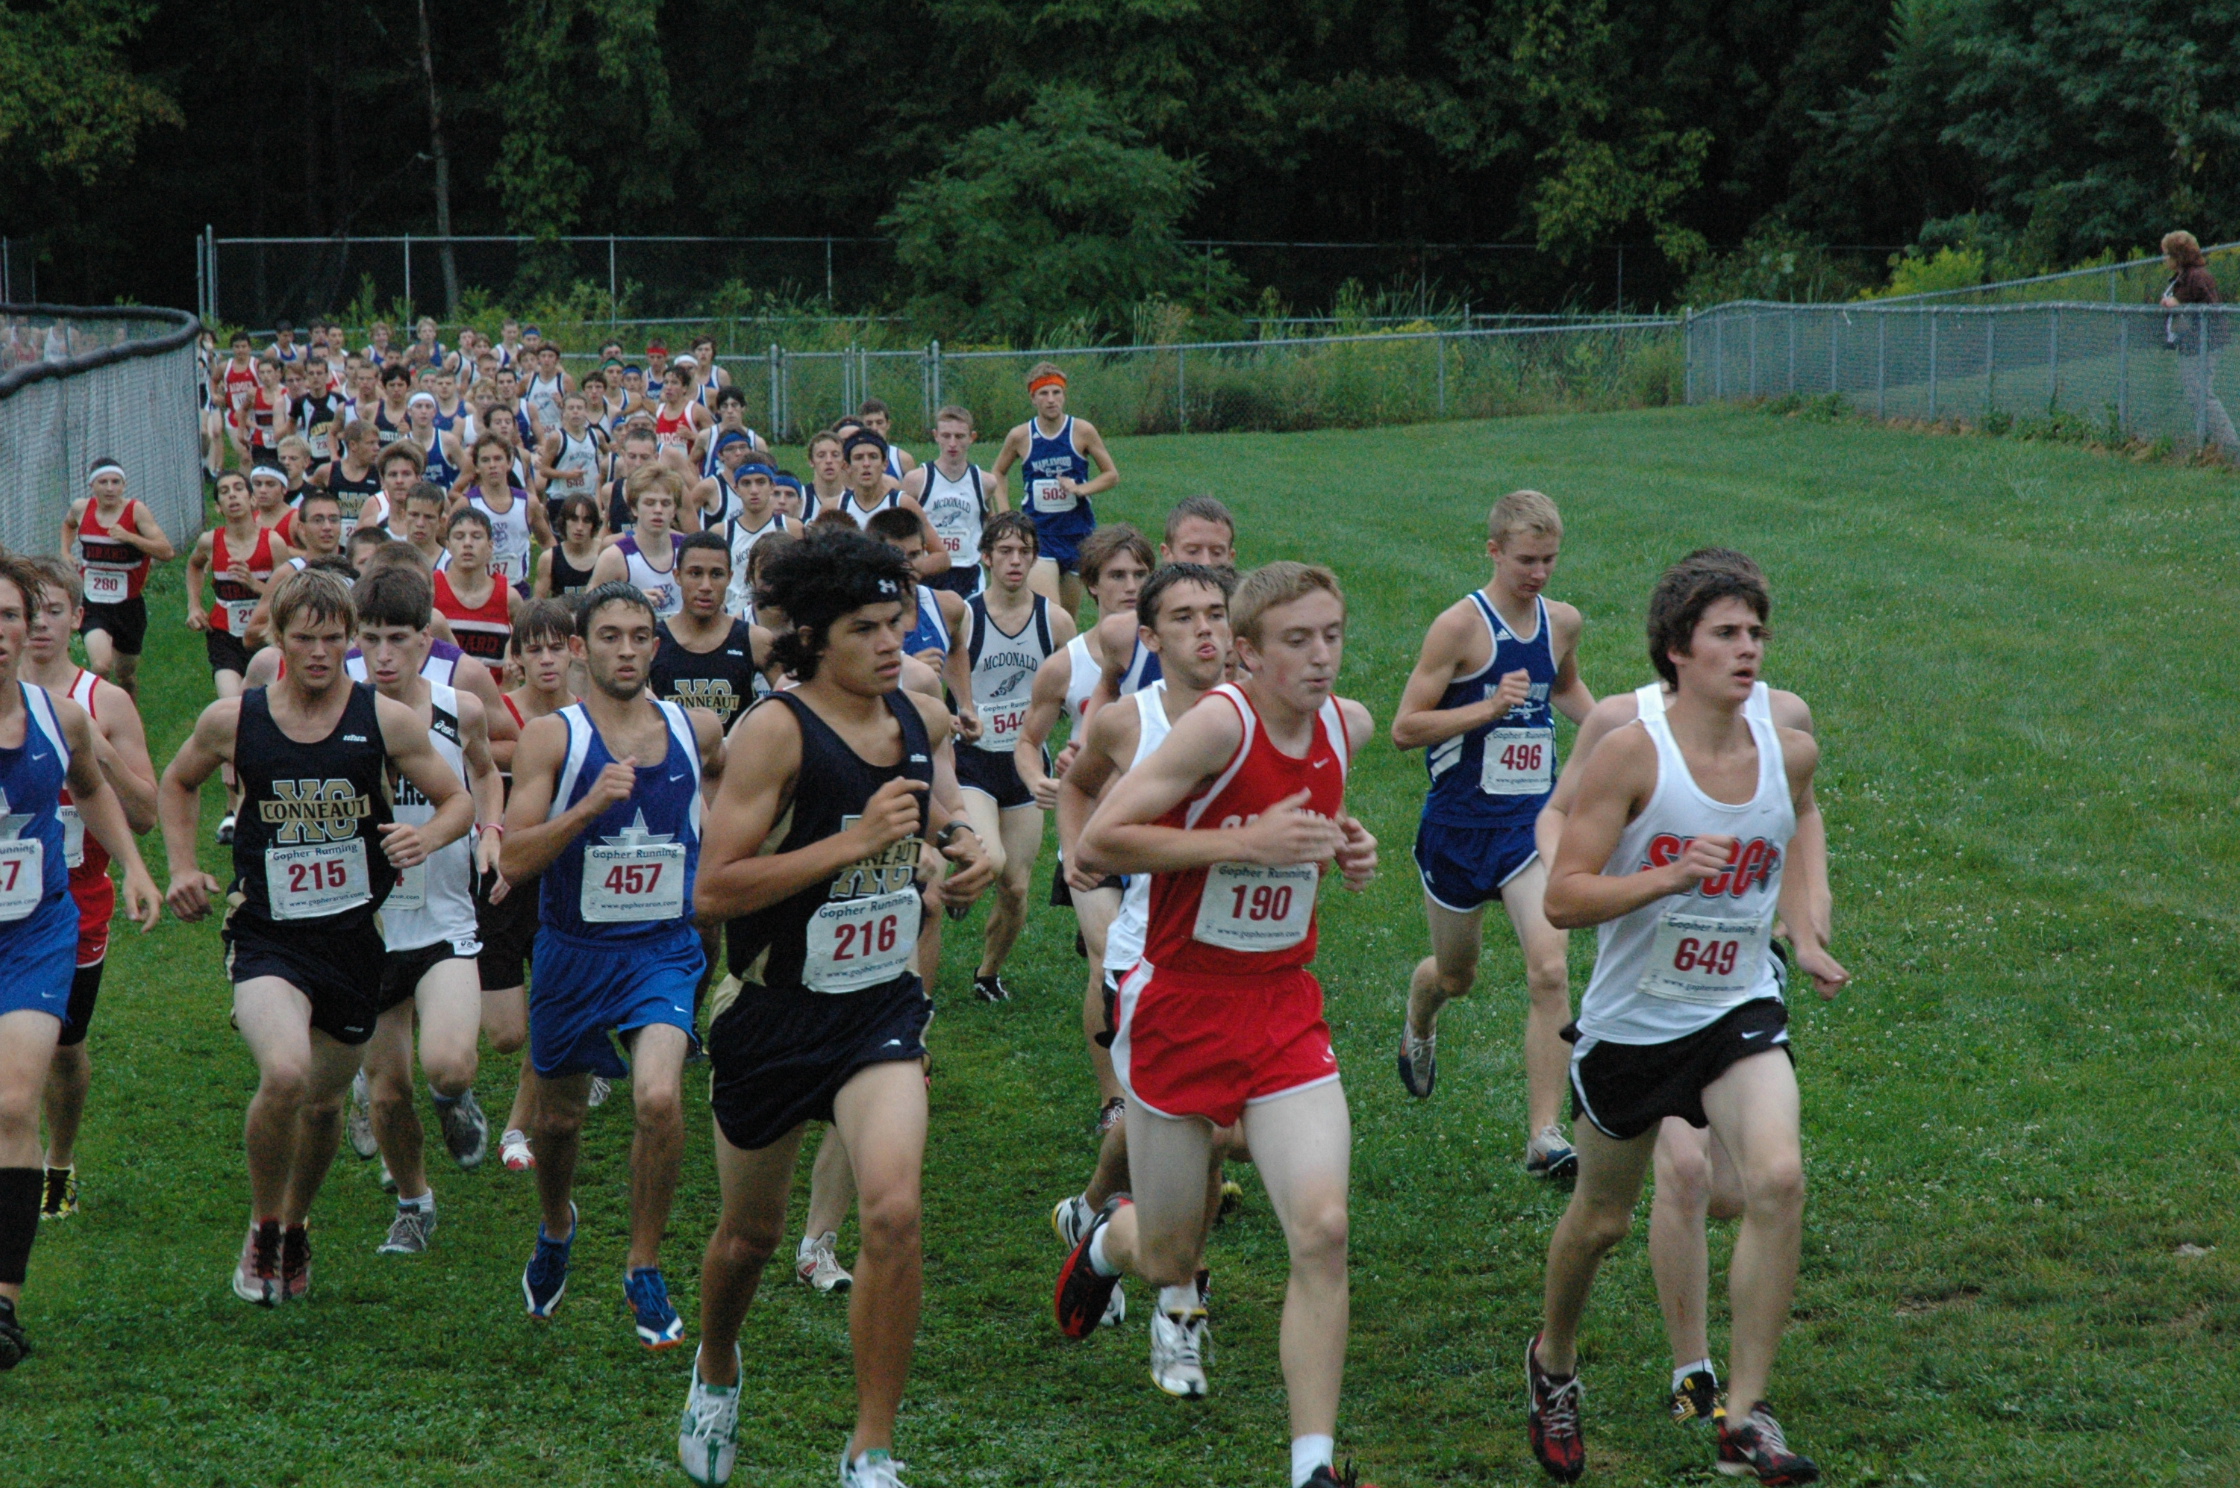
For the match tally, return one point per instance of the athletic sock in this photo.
(1683, 1371)
(1309, 1453)
(1097, 1261)
(20, 1191)
(443, 1102)
(862, 1461)
(1179, 1301)
(426, 1203)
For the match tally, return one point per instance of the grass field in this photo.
(2013, 1122)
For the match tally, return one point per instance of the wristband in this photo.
(949, 831)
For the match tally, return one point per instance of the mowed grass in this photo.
(2019, 661)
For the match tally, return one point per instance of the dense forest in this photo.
(1039, 161)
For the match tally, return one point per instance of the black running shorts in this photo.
(401, 971)
(1626, 1089)
(125, 621)
(994, 772)
(338, 968)
(85, 991)
(780, 1056)
(225, 651)
(508, 931)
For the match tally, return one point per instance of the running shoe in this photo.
(1232, 1199)
(1696, 1398)
(225, 830)
(1111, 1114)
(1115, 1311)
(878, 1470)
(1419, 1060)
(1327, 1476)
(708, 1437)
(409, 1232)
(1550, 1156)
(295, 1263)
(361, 1119)
(1082, 1294)
(545, 1279)
(1552, 1418)
(657, 1322)
(990, 989)
(1757, 1449)
(1178, 1349)
(601, 1088)
(817, 1264)
(513, 1151)
(60, 1200)
(388, 1179)
(1071, 1220)
(257, 1277)
(466, 1131)
(15, 1345)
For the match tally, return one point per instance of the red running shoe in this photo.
(1757, 1449)
(1082, 1293)
(1552, 1418)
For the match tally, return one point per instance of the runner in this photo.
(424, 508)
(428, 922)
(114, 539)
(714, 499)
(1185, 614)
(356, 475)
(635, 450)
(1057, 450)
(1684, 1015)
(956, 496)
(548, 384)
(478, 603)
(55, 749)
(317, 525)
(441, 461)
(129, 774)
(1495, 668)
(1198, 530)
(678, 421)
(872, 490)
(569, 457)
(303, 942)
(875, 416)
(730, 408)
(240, 556)
(757, 518)
(402, 467)
(646, 556)
(940, 617)
(824, 1020)
(706, 658)
(1695, 1177)
(515, 519)
(564, 569)
(268, 498)
(1010, 631)
(617, 842)
(506, 912)
(1221, 1021)
(828, 476)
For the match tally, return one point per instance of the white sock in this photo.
(1097, 1260)
(426, 1203)
(1309, 1453)
(1179, 1300)
(808, 1243)
(1683, 1371)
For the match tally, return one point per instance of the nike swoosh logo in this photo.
(1318, 764)
(892, 1044)
(676, 777)
(1755, 1033)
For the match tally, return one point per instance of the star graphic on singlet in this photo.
(634, 835)
(11, 823)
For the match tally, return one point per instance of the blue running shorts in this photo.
(1465, 868)
(584, 992)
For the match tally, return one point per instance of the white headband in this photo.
(103, 469)
(272, 470)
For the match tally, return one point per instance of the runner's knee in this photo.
(1775, 1186)
(889, 1221)
(747, 1241)
(1683, 1177)
(1317, 1232)
(1599, 1228)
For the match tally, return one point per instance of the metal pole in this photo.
(2053, 359)
(777, 429)
(1687, 354)
(1835, 334)
(1621, 278)
(2123, 372)
(201, 306)
(1990, 363)
(408, 270)
(1440, 344)
(1719, 357)
(1753, 353)
(614, 311)
(2201, 403)
(933, 401)
(1181, 399)
(1881, 360)
(828, 271)
(211, 233)
(1790, 318)
(1932, 366)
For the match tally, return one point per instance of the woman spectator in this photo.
(2191, 283)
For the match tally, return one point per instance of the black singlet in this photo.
(566, 577)
(721, 681)
(769, 946)
(303, 803)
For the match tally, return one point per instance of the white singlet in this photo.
(1123, 943)
(956, 509)
(434, 901)
(658, 585)
(578, 467)
(1003, 668)
(1081, 681)
(739, 597)
(509, 535)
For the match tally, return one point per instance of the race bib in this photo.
(238, 612)
(73, 835)
(953, 543)
(411, 891)
(1519, 762)
(23, 876)
(633, 883)
(999, 728)
(859, 943)
(1702, 959)
(1049, 496)
(1246, 907)
(304, 883)
(106, 585)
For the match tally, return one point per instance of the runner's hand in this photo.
(402, 844)
(190, 894)
(1357, 858)
(890, 815)
(486, 849)
(614, 785)
(1046, 792)
(197, 620)
(1828, 977)
(1065, 758)
(968, 726)
(1704, 858)
(1286, 834)
(141, 901)
(1514, 689)
(970, 871)
(1080, 881)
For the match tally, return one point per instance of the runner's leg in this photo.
(881, 1116)
(275, 1022)
(450, 1001)
(1547, 981)
(1596, 1219)
(1753, 1111)
(1094, 910)
(756, 1185)
(318, 1123)
(1160, 1236)
(69, 1079)
(1043, 580)
(657, 1146)
(1678, 1254)
(1303, 1144)
(832, 1186)
(1021, 827)
(101, 653)
(1451, 968)
(396, 1116)
(558, 1111)
(27, 1043)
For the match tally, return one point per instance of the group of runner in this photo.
(413, 848)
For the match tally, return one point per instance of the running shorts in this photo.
(962, 582)
(85, 991)
(126, 621)
(1626, 1089)
(780, 1055)
(41, 959)
(339, 970)
(508, 931)
(401, 971)
(1466, 868)
(1210, 1046)
(994, 773)
(588, 991)
(225, 651)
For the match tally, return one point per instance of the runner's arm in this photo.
(934, 561)
(707, 734)
(103, 813)
(541, 586)
(1619, 778)
(1091, 444)
(197, 562)
(1095, 764)
(1612, 712)
(1802, 894)
(124, 759)
(179, 805)
(612, 564)
(736, 877)
(1568, 695)
(970, 871)
(1044, 703)
(484, 784)
(1419, 722)
(1116, 642)
(532, 842)
(148, 536)
(70, 524)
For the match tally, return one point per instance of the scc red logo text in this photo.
(1750, 864)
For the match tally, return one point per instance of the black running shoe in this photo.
(1082, 1294)
(1756, 1449)
(1552, 1418)
(1696, 1398)
(990, 989)
(1327, 1476)
(15, 1346)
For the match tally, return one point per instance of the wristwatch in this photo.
(949, 831)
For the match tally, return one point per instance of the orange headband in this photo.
(1047, 379)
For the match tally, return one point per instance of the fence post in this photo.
(777, 429)
(1687, 354)
(1753, 352)
(1881, 358)
(210, 234)
(2053, 360)
(1719, 358)
(1932, 364)
(828, 271)
(2201, 401)
(201, 299)
(1835, 339)
(933, 398)
(1790, 317)
(1181, 393)
(1990, 364)
(2123, 372)
(1439, 343)
(408, 268)
(613, 310)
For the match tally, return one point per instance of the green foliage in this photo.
(1064, 213)
(1947, 268)
(1774, 263)
(71, 103)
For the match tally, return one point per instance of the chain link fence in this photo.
(1269, 385)
(77, 385)
(2137, 371)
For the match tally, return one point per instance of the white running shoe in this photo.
(879, 1470)
(513, 1151)
(1178, 1347)
(817, 1265)
(1071, 1220)
(1115, 1311)
(409, 1232)
(708, 1437)
(361, 1118)
(600, 1090)
(388, 1179)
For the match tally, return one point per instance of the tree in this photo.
(1060, 215)
(70, 102)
